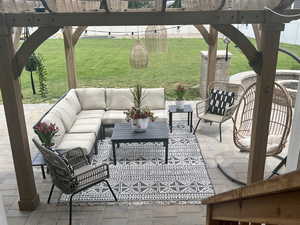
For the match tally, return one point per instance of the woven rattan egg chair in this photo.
(203, 105)
(279, 125)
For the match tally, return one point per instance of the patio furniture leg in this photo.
(70, 209)
(43, 171)
(230, 177)
(278, 167)
(111, 190)
(220, 130)
(191, 122)
(197, 126)
(170, 122)
(50, 194)
(167, 151)
(188, 120)
(114, 153)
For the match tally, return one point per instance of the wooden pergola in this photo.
(262, 60)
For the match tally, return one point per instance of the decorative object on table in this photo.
(186, 109)
(139, 177)
(139, 56)
(223, 99)
(180, 92)
(139, 116)
(36, 64)
(46, 132)
(279, 125)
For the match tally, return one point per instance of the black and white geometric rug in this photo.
(142, 177)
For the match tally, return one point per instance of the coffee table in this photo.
(156, 132)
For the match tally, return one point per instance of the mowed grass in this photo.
(105, 63)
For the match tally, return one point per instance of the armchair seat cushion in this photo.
(73, 140)
(212, 117)
(113, 116)
(90, 125)
(90, 114)
(220, 100)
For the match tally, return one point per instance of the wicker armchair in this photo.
(202, 106)
(279, 125)
(72, 173)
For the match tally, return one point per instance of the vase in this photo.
(180, 104)
(140, 125)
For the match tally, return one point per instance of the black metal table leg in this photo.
(167, 151)
(170, 122)
(188, 120)
(114, 153)
(191, 122)
(43, 171)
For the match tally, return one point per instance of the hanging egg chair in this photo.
(156, 38)
(139, 56)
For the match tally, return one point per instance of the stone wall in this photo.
(222, 70)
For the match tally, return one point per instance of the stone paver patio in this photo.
(212, 150)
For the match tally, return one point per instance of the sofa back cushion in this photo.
(72, 99)
(53, 118)
(119, 99)
(91, 98)
(64, 110)
(154, 98)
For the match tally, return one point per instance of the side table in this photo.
(187, 109)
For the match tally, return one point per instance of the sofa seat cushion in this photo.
(90, 125)
(90, 114)
(162, 115)
(154, 98)
(52, 118)
(91, 98)
(72, 99)
(85, 141)
(119, 99)
(113, 116)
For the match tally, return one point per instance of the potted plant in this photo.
(138, 116)
(180, 92)
(46, 132)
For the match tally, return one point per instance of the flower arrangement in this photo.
(180, 91)
(46, 132)
(136, 113)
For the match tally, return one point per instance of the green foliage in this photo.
(32, 63)
(43, 73)
(138, 95)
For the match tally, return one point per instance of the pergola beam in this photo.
(146, 17)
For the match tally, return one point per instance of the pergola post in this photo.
(270, 39)
(11, 95)
(212, 55)
(70, 40)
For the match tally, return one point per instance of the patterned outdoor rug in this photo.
(142, 177)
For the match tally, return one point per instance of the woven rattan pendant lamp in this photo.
(156, 38)
(139, 56)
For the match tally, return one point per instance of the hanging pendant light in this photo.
(139, 56)
(156, 38)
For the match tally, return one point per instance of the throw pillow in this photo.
(220, 100)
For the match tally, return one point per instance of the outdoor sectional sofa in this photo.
(83, 114)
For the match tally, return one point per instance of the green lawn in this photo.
(105, 63)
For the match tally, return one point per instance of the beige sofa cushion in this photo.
(91, 98)
(154, 98)
(89, 114)
(72, 99)
(112, 116)
(119, 99)
(65, 112)
(162, 115)
(91, 125)
(52, 118)
(85, 141)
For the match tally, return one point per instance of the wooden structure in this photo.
(275, 201)
(12, 63)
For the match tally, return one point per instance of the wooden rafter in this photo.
(253, 56)
(147, 17)
(205, 34)
(30, 45)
